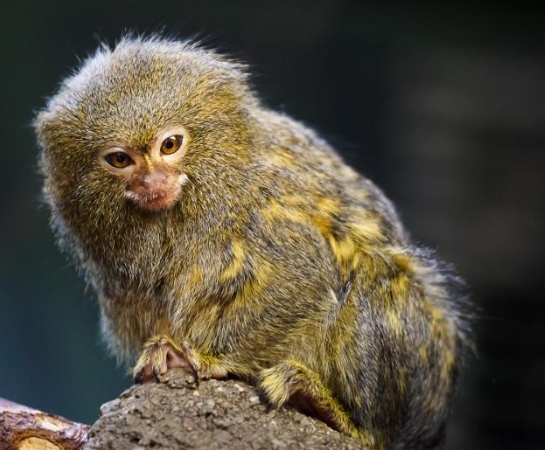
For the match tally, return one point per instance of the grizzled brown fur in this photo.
(277, 262)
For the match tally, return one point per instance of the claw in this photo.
(161, 354)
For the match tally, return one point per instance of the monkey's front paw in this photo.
(160, 354)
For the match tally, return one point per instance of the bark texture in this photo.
(174, 414)
(217, 415)
(23, 428)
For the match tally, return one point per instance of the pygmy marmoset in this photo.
(229, 239)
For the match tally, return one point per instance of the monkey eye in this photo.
(172, 144)
(119, 160)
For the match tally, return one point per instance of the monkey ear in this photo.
(47, 125)
(44, 123)
(40, 124)
(229, 86)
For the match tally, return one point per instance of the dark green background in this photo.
(442, 107)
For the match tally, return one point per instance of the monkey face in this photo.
(153, 174)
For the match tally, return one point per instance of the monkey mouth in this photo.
(154, 200)
(156, 194)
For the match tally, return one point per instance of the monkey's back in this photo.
(391, 336)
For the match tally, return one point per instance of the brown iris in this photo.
(119, 160)
(172, 144)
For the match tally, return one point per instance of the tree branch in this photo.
(23, 428)
(175, 415)
(219, 415)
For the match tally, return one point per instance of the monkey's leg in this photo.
(161, 353)
(292, 382)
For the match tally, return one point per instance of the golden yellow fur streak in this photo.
(237, 241)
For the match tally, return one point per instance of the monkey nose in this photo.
(151, 181)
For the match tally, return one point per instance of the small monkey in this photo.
(231, 240)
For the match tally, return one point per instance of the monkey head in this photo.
(137, 123)
(142, 137)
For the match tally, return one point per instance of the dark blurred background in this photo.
(444, 108)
